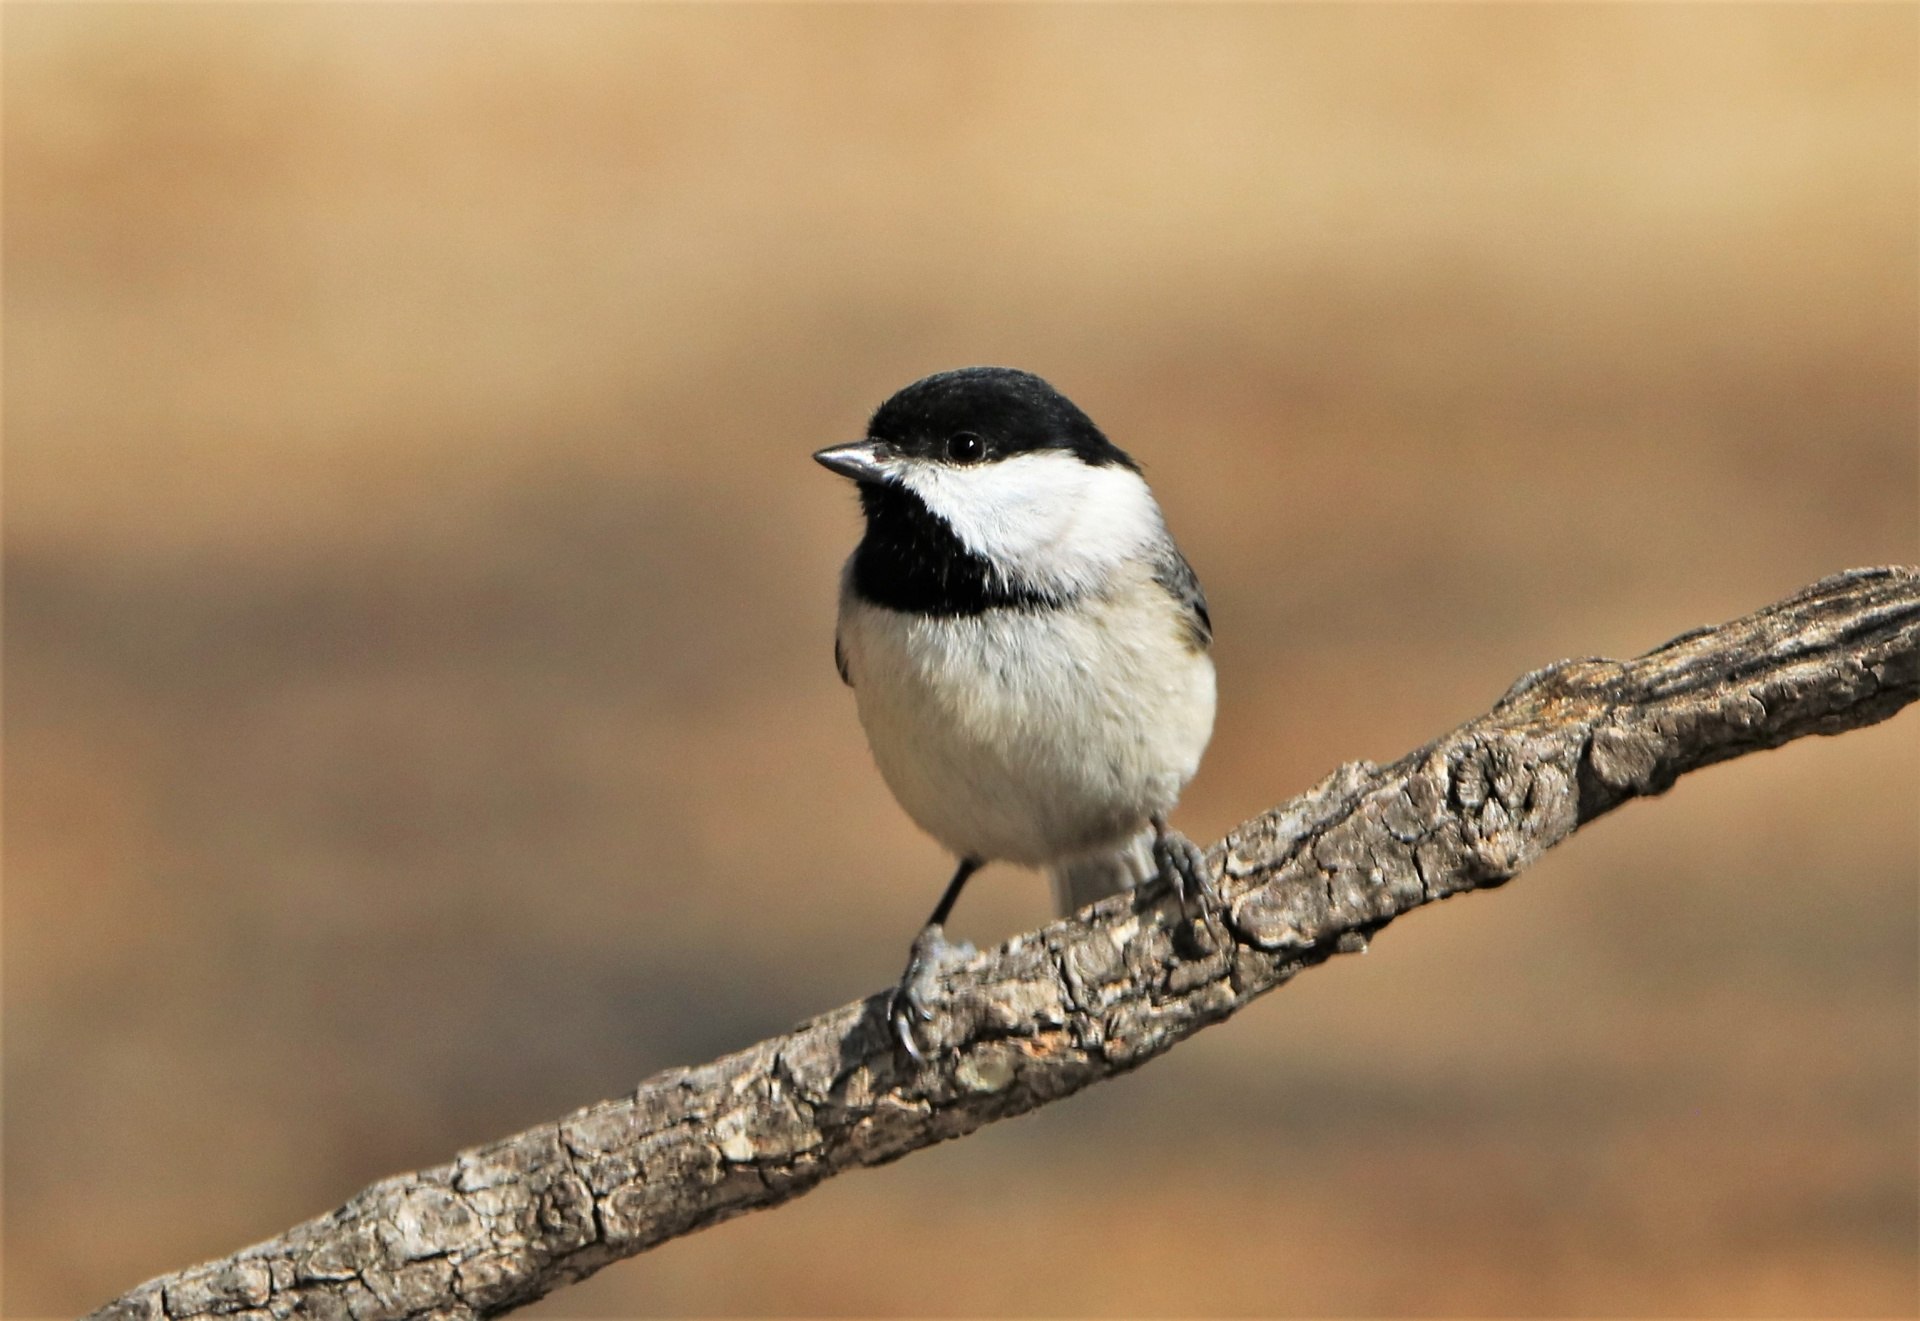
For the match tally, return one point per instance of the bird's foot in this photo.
(918, 996)
(1183, 867)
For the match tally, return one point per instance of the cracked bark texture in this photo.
(1085, 998)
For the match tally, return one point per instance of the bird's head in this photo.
(995, 466)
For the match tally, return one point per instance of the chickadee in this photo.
(1027, 647)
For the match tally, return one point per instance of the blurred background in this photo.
(420, 711)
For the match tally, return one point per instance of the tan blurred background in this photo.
(420, 713)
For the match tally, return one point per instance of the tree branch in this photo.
(1087, 997)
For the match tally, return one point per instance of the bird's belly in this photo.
(1029, 736)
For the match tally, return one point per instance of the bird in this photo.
(1028, 649)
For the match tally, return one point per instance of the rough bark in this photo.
(1085, 998)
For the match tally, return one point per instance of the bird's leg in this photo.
(918, 991)
(1184, 867)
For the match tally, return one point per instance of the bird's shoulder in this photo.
(1172, 572)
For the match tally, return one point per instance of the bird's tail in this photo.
(1085, 880)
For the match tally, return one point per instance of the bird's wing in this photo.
(1172, 572)
(840, 661)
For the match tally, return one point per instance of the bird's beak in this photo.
(862, 460)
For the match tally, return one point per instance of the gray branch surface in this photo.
(1087, 997)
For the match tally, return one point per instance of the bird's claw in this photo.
(919, 991)
(1183, 866)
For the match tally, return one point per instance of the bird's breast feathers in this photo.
(1032, 734)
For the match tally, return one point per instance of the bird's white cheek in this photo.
(1047, 518)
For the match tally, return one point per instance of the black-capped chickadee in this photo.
(1026, 645)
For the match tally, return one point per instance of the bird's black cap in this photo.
(1012, 412)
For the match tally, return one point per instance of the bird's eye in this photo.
(966, 447)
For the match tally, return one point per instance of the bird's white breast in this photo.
(1032, 735)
